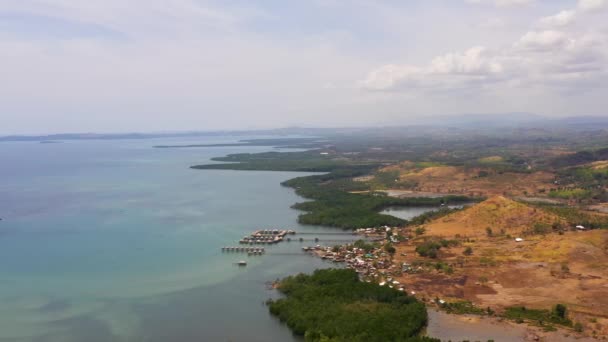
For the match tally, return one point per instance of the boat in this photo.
(242, 263)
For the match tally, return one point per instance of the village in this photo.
(367, 256)
(492, 257)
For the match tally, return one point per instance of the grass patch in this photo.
(463, 308)
(558, 315)
(570, 194)
(491, 160)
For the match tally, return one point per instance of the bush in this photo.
(560, 311)
(556, 316)
(366, 246)
(463, 307)
(390, 249)
(428, 249)
(468, 251)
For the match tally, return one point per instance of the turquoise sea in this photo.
(119, 241)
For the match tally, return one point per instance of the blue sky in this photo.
(152, 65)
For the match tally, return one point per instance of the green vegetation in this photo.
(435, 214)
(582, 157)
(332, 203)
(390, 249)
(576, 193)
(463, 308)
(429, 249)
(443, 267)
(366, 246)
(558, 315)
(333, 305)
(575, 216)
(286, 161)
(419, 231)
(384, 180)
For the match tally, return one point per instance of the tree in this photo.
(560, 311)
(468, 251)
(420, 230)
(429, 249)
(390, 249)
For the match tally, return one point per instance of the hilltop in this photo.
(490, 177)
(499, 214)
(479, 260)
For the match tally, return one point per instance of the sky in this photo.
(154, 65)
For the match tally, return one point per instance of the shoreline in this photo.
(446, 326)
(376, 267)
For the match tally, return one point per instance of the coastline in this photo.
(447, 326)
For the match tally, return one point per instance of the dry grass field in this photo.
(476, 181)
(538, 272)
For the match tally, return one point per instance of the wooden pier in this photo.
(248, 250)
(266, 236)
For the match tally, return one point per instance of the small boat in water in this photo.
(242, 263)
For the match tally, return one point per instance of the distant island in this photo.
(277, 142)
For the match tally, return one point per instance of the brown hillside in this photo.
(461, 180)
(497, 213)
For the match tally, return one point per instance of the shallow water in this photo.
(473, 328)
(448, 327)
(407, 213)
(118, 241)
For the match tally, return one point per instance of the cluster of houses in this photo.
(377, 234)
(371, 265)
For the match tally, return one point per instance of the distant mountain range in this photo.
(464, 121)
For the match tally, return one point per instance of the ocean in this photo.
(118, 241)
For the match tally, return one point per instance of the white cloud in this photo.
(567, 17)
(592, 5)
(562, 18)
(548, 57)
(182, 64)
(547, 39)
(452, 70)
(474, 61)
(539, 58)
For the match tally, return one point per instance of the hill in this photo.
(499, 214)
(490, 177)
(581, 157)
(496, 271)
